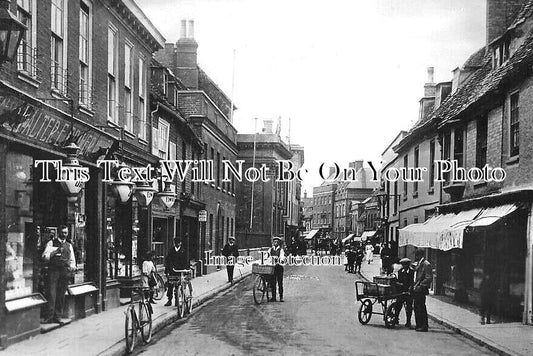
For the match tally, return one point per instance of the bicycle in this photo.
(182, 291)
(141, 322)
(160, 288)
(261, 282)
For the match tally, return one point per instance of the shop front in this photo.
(468, 244)
(31, 210)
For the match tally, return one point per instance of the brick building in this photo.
(272, 199)
(209, 111)
(79, 78)
(484, 227)
(173, 138)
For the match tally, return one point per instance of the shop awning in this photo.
(311, 234)
(445, 231)
(490, 215)
(367, 234)
(347, 238)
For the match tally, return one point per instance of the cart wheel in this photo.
(390, 317)
(365, 311)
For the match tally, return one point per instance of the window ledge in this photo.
(129, 134)
(431, 191)
(415, 195)
(142, 141)
(84, 109)
(213, 185)
(28, 78)
(512, 160)
(57, 94)
(218, 188)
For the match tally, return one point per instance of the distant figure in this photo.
(302, 247)
(369, 251)
(276, 251)
(230, 250)
(386, 259)
(487, 291)
(359, 255)
(350, 258)
(148, 275)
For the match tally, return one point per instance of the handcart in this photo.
(370, 293)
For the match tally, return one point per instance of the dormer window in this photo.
(501, 53)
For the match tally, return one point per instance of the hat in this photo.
(276, 238)
(405, 260)
(231, 238)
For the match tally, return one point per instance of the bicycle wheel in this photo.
(177, 299)
(365, 311)
(188, 298)
(259, 289)
(145, 322)
(160, 288)
(390, 317)
(181, 302)
(130, 328)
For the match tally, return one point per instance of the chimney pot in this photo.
(190, 34)
(183, 29)
(267, 126)
(431, 72)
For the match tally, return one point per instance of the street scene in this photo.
(266, 177)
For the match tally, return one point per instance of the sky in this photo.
(348, 73)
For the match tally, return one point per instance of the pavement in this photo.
(103, 333)
(510, 339)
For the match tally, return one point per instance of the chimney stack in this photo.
(332, 171)
(186, 56)
(357, 164)
(500, 15)
(267, 126)
(428, 101)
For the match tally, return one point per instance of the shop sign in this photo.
(202, 215)
(40, 124)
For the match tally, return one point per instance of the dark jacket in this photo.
(176, 260)
(424, 277)
(228, 251)
(405, 279)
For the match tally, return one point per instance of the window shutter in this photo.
(172, 151)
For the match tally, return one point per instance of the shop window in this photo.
(22, 235)
(432, 163)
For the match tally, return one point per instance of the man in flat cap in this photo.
(230, 250)
(405, 283)
(276, 251)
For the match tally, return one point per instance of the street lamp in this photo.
(11, 32)
(71, 187)
(121, 188)
(168, 197)
(144, 194)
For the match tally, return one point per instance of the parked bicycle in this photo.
(138, 321)
(182, 291)
(261, 282)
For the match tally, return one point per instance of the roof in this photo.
(525, 12)
(139, 14)
(401, 133)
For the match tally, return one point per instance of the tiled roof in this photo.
(487, 81)
(525, 12)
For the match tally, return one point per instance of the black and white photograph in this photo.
(253, 177)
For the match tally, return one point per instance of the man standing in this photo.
(277, 254)
(423, 279)
(61, 264)
(175, 260)
(405, 284)
(230, 250)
